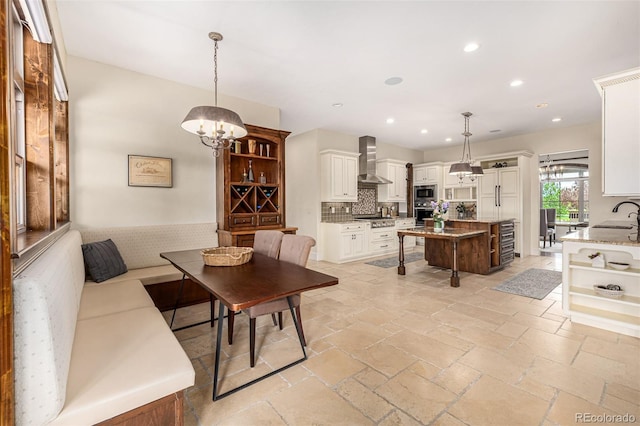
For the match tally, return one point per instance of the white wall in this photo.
(114, 113)
(588, 136)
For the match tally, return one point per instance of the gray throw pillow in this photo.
(102, 260)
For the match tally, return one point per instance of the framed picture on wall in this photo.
(150, 171)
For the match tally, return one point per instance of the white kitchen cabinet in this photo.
(499, 197)
(338, 176)
(579, 299)
(342, 242)
(396, 172)
(406, 223)
(620, 132)
(426, 174)
(383, 240)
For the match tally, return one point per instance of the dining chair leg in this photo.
(280, 319)
(231, 318)
(273, 318)
(252, 341)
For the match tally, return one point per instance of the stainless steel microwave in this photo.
(425, 192)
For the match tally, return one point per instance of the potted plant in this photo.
(439, 209)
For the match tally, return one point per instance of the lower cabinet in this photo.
(342, 242)
(382, 240)
(589, 305)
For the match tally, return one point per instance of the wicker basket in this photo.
(607, 292)
(226, 256)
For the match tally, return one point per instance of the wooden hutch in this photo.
(243, 207)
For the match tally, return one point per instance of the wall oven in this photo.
(421, 214)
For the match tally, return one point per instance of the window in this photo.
(564, 185)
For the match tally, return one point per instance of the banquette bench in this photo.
(89, 352)
(140, 248)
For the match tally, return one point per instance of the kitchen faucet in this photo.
(615, 210)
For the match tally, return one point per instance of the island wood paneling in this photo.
(6, 302)
(476, 255)
(39, 129)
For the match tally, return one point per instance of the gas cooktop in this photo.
(379, 222)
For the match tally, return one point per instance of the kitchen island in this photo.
(583, 273)
(488, 253)
(451, 236)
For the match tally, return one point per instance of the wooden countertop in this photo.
(623, 237)
(448, 233)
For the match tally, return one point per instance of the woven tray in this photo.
(226, 256)
(608, 293)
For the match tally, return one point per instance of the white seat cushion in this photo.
(148, 276)
(122, 361)
(105, 299)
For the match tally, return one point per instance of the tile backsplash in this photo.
(367, 202)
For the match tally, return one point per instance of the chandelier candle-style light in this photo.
(465, 168)
(217, 127)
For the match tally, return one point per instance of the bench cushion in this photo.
(115, 297)
(148, 276)
(122, 361)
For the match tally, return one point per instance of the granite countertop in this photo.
(483, 219)
(446, 234)
(623, 237)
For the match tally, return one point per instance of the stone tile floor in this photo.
(387, 349)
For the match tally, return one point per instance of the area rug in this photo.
(534, 283)
(390, 262)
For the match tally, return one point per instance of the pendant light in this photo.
(217, 127)
(465, 168)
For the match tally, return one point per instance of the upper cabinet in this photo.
(338, 176)
(427, 174)
(396, 172)
(620, 132)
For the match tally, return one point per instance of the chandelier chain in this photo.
(215, 71)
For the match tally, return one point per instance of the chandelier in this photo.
(465, 168)
(217, 127)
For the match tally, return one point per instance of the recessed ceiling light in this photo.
(542, 105)
(392, 81)
(555, 120)
(390, 120)
(495, 131)
(448, 140)
(516, 83)
(424, 131)
(337, 105)
(471, 47)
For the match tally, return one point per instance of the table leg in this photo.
(295, 321)
(455, 279)
(401, 269)
(216, 367)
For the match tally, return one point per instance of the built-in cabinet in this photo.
(345, 242)
(427, 174)
(620, 132)
(396, 172)
(342, 242)
(338, 176)
(583, 304)
(252, 194)
(499, 197)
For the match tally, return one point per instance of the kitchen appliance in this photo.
(427, 192)
(423, 195)
(367, 162)
(378, 222)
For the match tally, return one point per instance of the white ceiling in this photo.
(304, 56)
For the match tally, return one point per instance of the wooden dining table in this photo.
(260, 280)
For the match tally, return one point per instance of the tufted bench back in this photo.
(46, 302)
(140, 246)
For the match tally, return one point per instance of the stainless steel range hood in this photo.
(367, 162)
